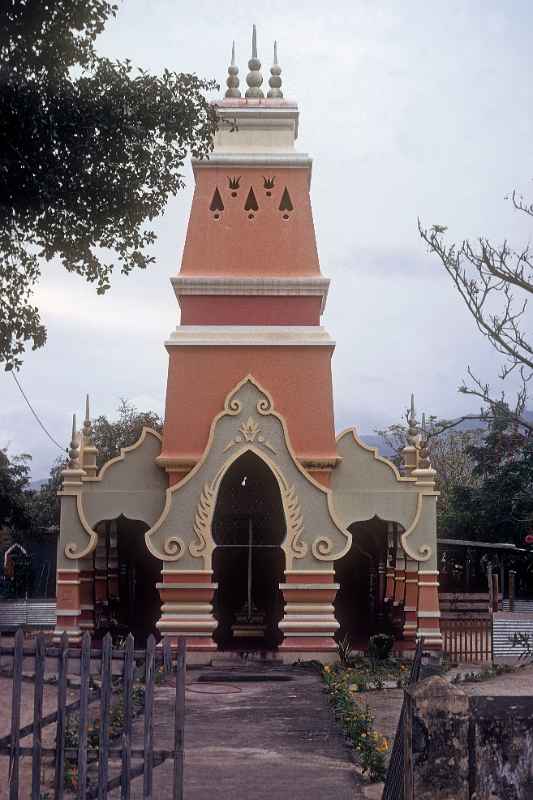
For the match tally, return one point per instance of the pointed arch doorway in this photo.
(248, 562)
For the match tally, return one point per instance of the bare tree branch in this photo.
(495, 284)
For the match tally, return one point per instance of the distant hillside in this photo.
(373, 440)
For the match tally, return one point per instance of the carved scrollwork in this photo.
(174, 547)
(73, 550)
(233, 406)
(424, 551)
(202, 520)
(322, 548)
(264, 405)
(295, 524)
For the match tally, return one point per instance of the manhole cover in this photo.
(213, 688)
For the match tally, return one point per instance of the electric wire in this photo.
(63, 449)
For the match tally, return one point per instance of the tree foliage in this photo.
(14, 483)
(109, 436)
(90, 151)
(500, 507)
(450, 454)
(495, 282)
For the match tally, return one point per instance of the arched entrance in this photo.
(248, 562)
(126, 574)
(359, 606)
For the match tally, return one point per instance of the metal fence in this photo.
(394, 781)
(122, 682)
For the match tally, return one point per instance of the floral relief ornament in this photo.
(250, 431)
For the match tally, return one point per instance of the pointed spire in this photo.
(88, 450)
(275, 80)
(74, 449)
(424, 462)
(232, 81)
(254, 79)
(412, 431)
(87, 426)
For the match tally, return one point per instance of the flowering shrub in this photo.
(357, 723)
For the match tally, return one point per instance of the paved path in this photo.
(256, 741)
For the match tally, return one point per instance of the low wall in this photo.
(468, 748)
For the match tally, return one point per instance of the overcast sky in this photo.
(413, 108)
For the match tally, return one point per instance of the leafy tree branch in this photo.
(91, 150)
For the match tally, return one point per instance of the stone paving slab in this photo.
(256, 741)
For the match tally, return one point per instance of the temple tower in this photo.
(247, 524)
(250, 288)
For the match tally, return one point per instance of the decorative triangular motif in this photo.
(251, 202)
(216, 202)
(286, 203)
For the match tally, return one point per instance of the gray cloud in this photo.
(409, 109)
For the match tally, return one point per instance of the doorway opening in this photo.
(359, 604)
(248, 562)
(127, 597)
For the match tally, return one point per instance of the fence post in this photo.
(15, 716)
(148, 718)
(105, 707)
(85, 670)
(408, 787)
(495, 592)
(179, 719)
(512, 589)
(128, 717)
(37, 718)
(62, 669)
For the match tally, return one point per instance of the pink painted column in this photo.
(309, 623)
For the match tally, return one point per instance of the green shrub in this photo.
(380, 646)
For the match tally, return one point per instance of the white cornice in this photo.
(250, 336)
(248, 286)
(253, 160)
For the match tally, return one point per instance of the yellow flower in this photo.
(327, 668)
(383, 745)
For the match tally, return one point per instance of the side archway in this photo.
(360, 606)
(126, 598)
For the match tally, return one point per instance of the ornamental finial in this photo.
(275, 80)
(424, 462)
(412, 431)
(232, 81)
(87, 426)
(254, 79)
(74, 450)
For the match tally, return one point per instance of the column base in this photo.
(308, 644)
(195, 644)
(187, 609)
(428, 610)
(309, 623)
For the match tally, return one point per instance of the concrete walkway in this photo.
(256, 741)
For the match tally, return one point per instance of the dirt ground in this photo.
(519, 682)
(48, 739)
(253, 740)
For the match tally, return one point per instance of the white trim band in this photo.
(186, 285)
(254, 160)
(250, 336)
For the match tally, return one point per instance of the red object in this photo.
(529, 538)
